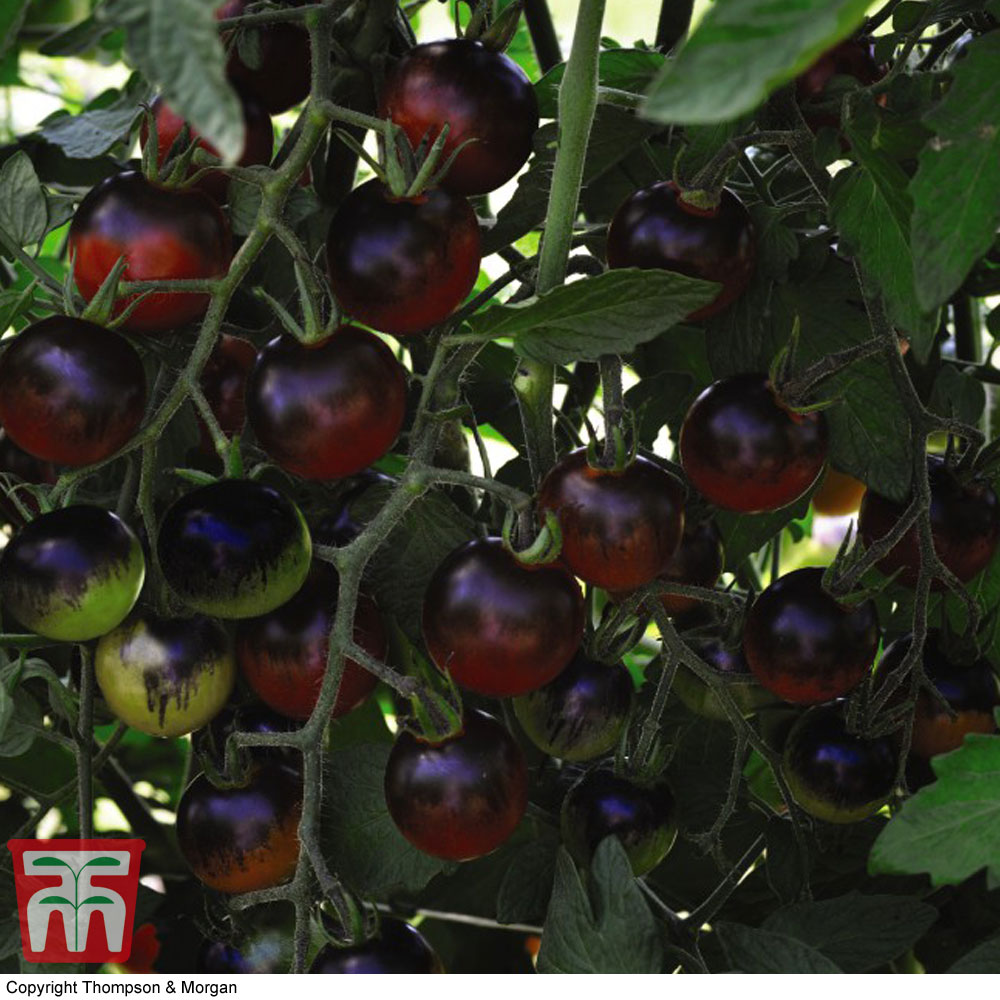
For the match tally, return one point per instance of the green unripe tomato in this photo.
(72, 574)
(701, 699)
(166, 676)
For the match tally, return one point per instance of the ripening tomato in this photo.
(698, 562)
(499, 627)
(71, 392)
(163, 234)
(461, 798)
(482, 95)
(619, 529)
(223, 382)
(838, 494)
(397, 948)
(744, 451)
(731, 664)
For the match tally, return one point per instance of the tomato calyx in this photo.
(546, 547)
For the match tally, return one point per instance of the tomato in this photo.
(698, 562)
(223, 381)
(398, 948)
(72, 574)
(838, 494)
(654, 228)
(730, 662)
(744, 451)
(339, 526)
(71, 392)
(853, 57)
(834, 776)
(402, 265)
(619, 529)
(601, 804)
(482, 95)
(279, 77)
(970, 689)
(257, 146)
(163, 234)
(17, 464)
(803, 645)
(581, 714)
(243, 838)
(327, 410)
(965, 526)
(165, 676)
(234, 549)
(461, 798)
(253, 718)
(500, 627)
(283, 654)
(265, 949)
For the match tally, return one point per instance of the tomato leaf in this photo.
(599, 922)
(630, 70)
(608, 314)
(984, 959)
(176, 46)
(856, 931)
(726, 68)
(951, 828)
(956, 190)
(751, 950)
(11, 19)
(527, 883)
(23, 212)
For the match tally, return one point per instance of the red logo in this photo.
(76, 898)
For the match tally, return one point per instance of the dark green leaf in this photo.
(599, 922)
(23, 214)
(622, 69)
(527, 883)
(744, 534)
(957, 395)
(659, 400)
(76, 38)
(743, 50)
(11, 18)
(751, 950)
(982, 960)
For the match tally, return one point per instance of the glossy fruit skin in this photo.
(165, 676)
(501, 628)
(402, 265)
(838, 494)
(257, 147)
(581, 714)
(327, 410)
(72, 574)
(698, 562)
(71, 392)
(620, 529)
(834, 776)
(460, 799)
(163, 234)
(654, 228)
(965, 526)
(245, 838)
(223, 381)
(398, 948)
(283, 654)
(481, 94)
(970, 689)
(852, 57)
(805, 647)
(601, 804)
(699, 698)
(743, 451)
(281, 78)
(234, 549)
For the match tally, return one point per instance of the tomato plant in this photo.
(399, 948)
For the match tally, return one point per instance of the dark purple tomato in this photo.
(398, 948)
(581, 714)
(969, 688)
(402, 265)
(327, 410)
(72, 574)
(283, 654)
(224, 381)
(655, 228)
(234, 549)
(619, 529)
(163, 234)
(71, 392)
(265, 949)
(16, 463)
(243, 838)
(744, 451)
(834, 776)
(499, 627)
(462, 798)
(731, 664)
(482, 95)
(279, 75)
(601, 804)
(854, 57)
(339, 526)
(803, 645)
(258, 144)
(698, 562)
(965, 526)
(253, 718)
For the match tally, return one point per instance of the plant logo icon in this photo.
(62, 885)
